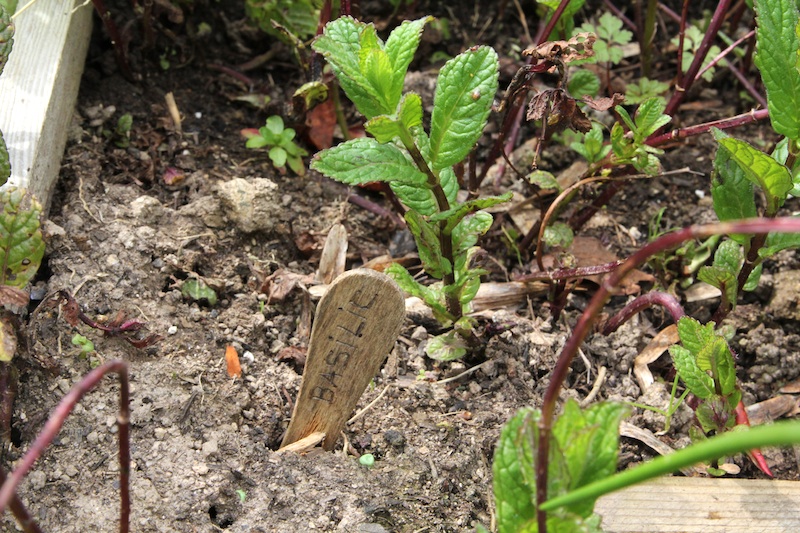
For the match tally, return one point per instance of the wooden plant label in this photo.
(356, 324)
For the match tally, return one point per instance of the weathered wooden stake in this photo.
(356, 324)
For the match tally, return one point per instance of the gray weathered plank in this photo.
(38, 89)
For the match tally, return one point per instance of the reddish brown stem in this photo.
(56, 420)
(116, 39)
(668, 301)
(723, 124)
(590, 314)
(19, 511)
(691, 73)
(569, 273)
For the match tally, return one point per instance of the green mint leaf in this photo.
(430, 294)
(426, 235)
(626, 118)
(726, 367)
(446, 347)
(694, 335)
(453, 216)
(723, 273)
(340, 44)
(420, 198)
(465, 89)
(779, 241)
(777, 45)
(582, 83)
(755, 276)
(514, 492)
(278, 156)
(469, 229)
(21, 242)
(722, 279)
(5, 161)
(773, 178)
(731, 191)
(400, 47)
(377, 69)
(6, 36)
(363, 160)
(386, 127)
(410, 114)
(695, 379)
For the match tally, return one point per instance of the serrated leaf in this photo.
(410, 114)
(376, 67)
(732, 191)
(558, 234)
(722, 279)
(426, 235)
(773, 178)
(513, 494)
(582, 83)
(401, 46)
(6, 36)
(448, 346)
(695, 379)
(363, 160)
(431, 295)
(466, 233)
(340, 45)
(21, 242)
(725, 367)
(544, 179)
(454, 215)
(650, 117)
(5, 162)
(465, 89)
(383, 127)
(777, 44)
(694, 335)
(724, 272)
(779, 241)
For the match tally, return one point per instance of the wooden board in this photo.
(694, 505)
(38, 89)
(355, 327)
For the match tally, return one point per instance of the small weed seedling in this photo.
(283, 150)
(418, 165)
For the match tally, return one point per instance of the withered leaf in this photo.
(559, 109)
(604, 103)
(578, 47)
(13, 296)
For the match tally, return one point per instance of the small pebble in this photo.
(172, 330)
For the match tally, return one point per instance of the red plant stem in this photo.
(757, 96)
(590, 314)
(725, 52)
(362, 202)
(642, 302)
(56, 420)
(116, 39)
(617, 12)
(20, 512)
(569, 273)
(548, 29)
(755, 454)
(723, 124)
(691, 74)
(669, 12)
(250, 82)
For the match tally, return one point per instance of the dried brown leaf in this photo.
(578, 47)
(604, 103)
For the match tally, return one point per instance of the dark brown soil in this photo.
(203, 444)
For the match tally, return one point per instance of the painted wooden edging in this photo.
(707, 505)
(39, 87)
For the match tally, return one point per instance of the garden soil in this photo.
(129, 225)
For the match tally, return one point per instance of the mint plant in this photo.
(283, 150)
(288, 20)
(417, 164)
(6, 43)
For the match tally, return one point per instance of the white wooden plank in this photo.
(38, 89)
(707, 505)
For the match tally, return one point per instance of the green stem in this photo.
(732, 442)
(452, 301)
